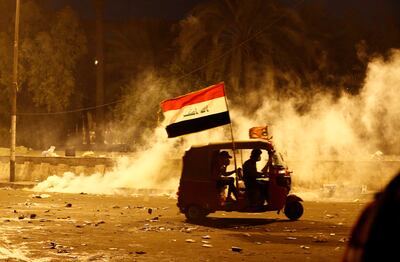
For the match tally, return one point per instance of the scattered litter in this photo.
(98, 223)
(206, 237)
(140, 252)
(52, 245)
(68, 205)
(41, 196)
(88, 154)
(236, 249)
(49, 152)
(320, 239)
(32, 216)
(258, 243)
(304, 247)
(205, 241)
(291, 238)
(59, 248)
(154, 219)
(343, 239)
(207, 245)
(188, 229)
(332, 234)
(189, 240)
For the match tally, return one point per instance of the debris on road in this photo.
(320, 239)
(189, 240)
(154, 219)
(41, 196)
(99, 222)
(343, 240)
(236, 249)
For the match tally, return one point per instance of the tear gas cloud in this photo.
(333, 142)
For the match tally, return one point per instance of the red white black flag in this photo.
(197, 111)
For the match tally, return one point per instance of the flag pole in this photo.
(233, 141)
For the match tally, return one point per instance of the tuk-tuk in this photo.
(199, 195)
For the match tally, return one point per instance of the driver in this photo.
(250, 175)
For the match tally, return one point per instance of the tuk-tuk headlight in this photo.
(282, 172)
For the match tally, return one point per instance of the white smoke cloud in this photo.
(349, 129)
(334, 141)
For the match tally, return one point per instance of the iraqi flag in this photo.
(197, 111)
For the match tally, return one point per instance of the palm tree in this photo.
(239, 41)
(135, 46)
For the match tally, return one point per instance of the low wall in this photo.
(39, 168)
(374, 174)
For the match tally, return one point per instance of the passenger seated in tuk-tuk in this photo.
(250, 175)
(223, 179)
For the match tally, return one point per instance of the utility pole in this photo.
(99, 63)
(14, 88)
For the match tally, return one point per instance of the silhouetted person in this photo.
(250, 175)
(223, 179)
(375, 236)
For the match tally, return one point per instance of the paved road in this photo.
(81, 227)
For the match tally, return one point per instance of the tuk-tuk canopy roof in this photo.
(241, 144)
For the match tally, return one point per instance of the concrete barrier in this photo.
(374, 174)
(31, 168)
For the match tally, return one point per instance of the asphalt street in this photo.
(37, 226)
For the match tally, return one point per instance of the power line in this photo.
(71, 111)
(277, 19)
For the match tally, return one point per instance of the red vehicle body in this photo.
(198, 194)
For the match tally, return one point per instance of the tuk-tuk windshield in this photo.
(277, 159)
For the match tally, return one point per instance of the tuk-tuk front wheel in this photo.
(293, 210)
(195, 213)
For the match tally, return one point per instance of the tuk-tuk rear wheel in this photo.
(195, 213)
(293, 210)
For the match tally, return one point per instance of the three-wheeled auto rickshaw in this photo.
(199, 194)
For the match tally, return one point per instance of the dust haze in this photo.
(338, 141)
